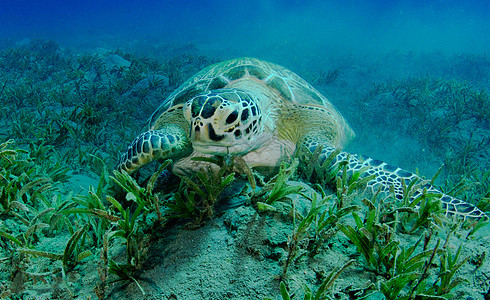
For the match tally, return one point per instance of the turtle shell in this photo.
(287, 85)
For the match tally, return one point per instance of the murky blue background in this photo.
(347, 26)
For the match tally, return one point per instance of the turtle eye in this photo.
(232, 117)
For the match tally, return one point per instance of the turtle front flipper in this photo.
(167, 142)
(387, 176)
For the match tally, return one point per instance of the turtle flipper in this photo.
(168, 142)
(387, 176)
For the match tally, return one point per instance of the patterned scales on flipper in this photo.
(154, 144)
(388, 176)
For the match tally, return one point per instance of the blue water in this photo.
(346, 26)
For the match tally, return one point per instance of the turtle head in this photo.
(225, 121)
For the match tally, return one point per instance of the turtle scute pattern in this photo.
(285, 83)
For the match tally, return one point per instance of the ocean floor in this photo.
(67, 114)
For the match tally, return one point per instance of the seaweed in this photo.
(299, 233)
(205, 191)
(277, 188)
(374, 241)
(326, 220)
(323, 289)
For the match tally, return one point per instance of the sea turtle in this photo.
(264, 113)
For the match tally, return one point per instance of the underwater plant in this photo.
(210, 185)
(374, 241)
(27, 190)
(277, 188)
(323, 289)
(417, 209)
(299, 233)
(128, 221)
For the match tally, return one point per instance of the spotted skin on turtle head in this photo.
(226, 118)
